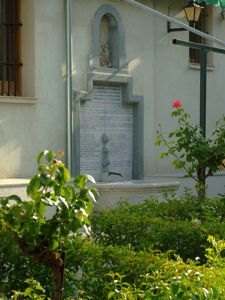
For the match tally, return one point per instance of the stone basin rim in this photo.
(137, 184)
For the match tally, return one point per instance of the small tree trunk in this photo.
(201, 187)
(58, 278)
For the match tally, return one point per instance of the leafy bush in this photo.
(39, 235)
(118, 272)
(141, 251)
(14, 270)
(33, 291)
(115, 272)
(179, 225)
(198, 156)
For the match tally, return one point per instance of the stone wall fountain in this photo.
(110, 129)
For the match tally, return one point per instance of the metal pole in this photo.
(69, 86)
(204, 49)
(203, 65)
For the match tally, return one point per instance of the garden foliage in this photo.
(199, 156)
(171, 249)
(39, 226)
(177, 224)
(153, 250)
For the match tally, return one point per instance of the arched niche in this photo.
(108, 42)
(108, 47)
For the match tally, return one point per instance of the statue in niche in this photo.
(105, 51)
(105, 56)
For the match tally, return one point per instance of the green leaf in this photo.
(66, 174)
(48, 201)
(174, 287)
(63, 200)
(92, 195)
(158, 142)
(28, 291)
(15, 198)
(80, 181)
(49, 156)
(171, 134)
(41, 207)
(39, 157)
(162, 155)
(33, 185)
(90, 178)
(111, 294)
(38, 287)
(54, 245)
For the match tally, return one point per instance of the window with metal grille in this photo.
(10, 56)
(194, 54)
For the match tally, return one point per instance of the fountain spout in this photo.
(115, 173)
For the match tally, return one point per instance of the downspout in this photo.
(69, 84)
(174, 21)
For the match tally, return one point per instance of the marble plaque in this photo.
(106, 114)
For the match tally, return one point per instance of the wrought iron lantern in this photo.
(192, 12)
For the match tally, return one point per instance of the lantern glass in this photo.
(192, 12)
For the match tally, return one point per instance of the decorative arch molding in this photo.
(102, 11)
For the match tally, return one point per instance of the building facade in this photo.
(125, 73)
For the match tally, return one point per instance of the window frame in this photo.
(10, 50)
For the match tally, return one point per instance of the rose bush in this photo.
(198, 156)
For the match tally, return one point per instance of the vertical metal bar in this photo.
(69, 85)
(2, 48)
(14, 28)
(203, 64)
(7, 9)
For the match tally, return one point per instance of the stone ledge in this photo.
(137, 185)
(13, 181)
(17, 100)
(16, 186)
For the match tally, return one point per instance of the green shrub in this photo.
(114, 272)
(15, 270)
(41, 237)
(179, 225)
(138, 251)
(33, 291)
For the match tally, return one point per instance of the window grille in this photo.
(10, 56)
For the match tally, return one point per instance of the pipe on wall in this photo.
(69, 83)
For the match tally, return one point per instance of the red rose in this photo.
(177, 103)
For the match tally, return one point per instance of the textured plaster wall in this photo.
(27, 129)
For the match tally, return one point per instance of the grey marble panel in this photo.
(106, 114)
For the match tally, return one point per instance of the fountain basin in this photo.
(134, 191)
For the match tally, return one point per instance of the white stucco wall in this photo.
(26, 129)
